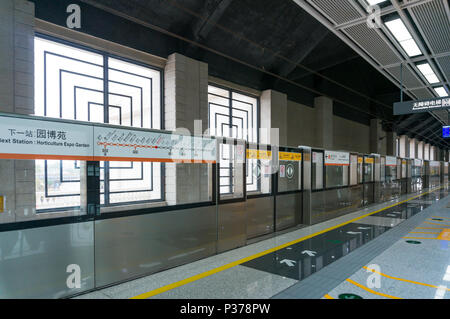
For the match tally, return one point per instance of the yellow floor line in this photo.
(430, 228)
(370, 290)
(437, 224)
(422, 232)
(405, 280)
(263, 253)
(328, 296)
(417, 238)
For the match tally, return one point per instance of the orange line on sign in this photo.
(159, 160)
(445, 234)
(328, 296)
(97, 158)
(43, 157)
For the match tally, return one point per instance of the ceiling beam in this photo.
(303, 50)
(411, 119)
(302, 73)
(423, 124)
(212, 11)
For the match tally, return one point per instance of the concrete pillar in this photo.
(426, 151)
(17, 96)
(413, 148)
(186, 100)
(404, 146)
(420, 147)
(376, 135)
(273, 117)
(391, 143)
(324, 113)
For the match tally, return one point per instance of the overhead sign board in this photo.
(435, 163)
(391, 161)
(114, 144)
(421, 106)
(337, 158)
(27, 138)
(22, 138)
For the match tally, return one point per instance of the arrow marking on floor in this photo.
(310, 253)
(288, 262)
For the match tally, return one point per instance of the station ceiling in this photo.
(307, 48)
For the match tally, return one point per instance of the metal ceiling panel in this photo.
(409, 78)
(372, 43)
(422, 94)
(433, 19)
(338, 11)
(445, 65)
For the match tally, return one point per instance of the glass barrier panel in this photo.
(336, 176)
(391, 173)
(290, 171)
(317, 170)
(360, 170)
(368, 169)
(41, 189)
(231, 170)
(258, 169)
(382, 169)
(404, 167)
(353, 169)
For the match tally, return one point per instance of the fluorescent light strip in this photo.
(441, 91)
(428, 73)
(374, 2)
(404, 38)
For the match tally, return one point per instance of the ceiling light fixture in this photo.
(404, 38)
(428, 73)
(441, 91)
(374, 2)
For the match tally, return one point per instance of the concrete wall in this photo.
(300, 125)
(347, 135)
(186, 100)
(17, 96)
(352, 136)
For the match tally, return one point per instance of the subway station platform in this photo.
(398, 249)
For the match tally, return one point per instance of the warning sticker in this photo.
(259, 154)
(289, 156)
(282, 171)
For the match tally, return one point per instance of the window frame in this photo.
(230, 116)
(106, 56)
